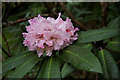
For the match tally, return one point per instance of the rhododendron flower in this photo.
(46, 35)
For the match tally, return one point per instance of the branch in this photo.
(5, 51)
(50, 6)
(9, 54)
(21, 20)
(72, 17)
(104, 12)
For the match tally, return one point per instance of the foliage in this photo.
(96, 50)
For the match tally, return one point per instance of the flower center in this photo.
(38, 36)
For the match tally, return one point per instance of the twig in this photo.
(6, 44)
(96, 76)
(84, 73)
(118, 62)
(50, 6)
(21, 20)
(72, 17)
(104, 12)
(5, 51)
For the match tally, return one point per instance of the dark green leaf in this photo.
(97, 35)
(66, 70)
(0, 65)
(109, 67)
(0, 76)
(81, 58)
(14, 61)
(114, 45)
(114, 23)
(14, 39)
(0, 60)
(50, 68)
(25, 67)
(100, 34)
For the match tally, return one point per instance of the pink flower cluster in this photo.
(46, 35)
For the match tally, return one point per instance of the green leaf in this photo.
(0, 76)
(81, 58)
(0, 65)
(0, 61)
(109, 67)
(87, 46)
(14, 61)
(97, 35)
(66, 70)
(50, 68)
(114, 45)
(25, 67)
(14, 39)
(114, 23)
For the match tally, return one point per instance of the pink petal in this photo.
(76, 29)
(24, 34)
(26, 42)
(41, 44)
(56, 46)
(60, 42)
(32, 47)
(48, 34)
(40, 52)
(49, 43)
(49, 51)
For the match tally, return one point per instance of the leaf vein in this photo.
(80, 57)
(50, 67)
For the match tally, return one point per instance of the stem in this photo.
(104, 12)
(5, 51)
(9, 54)
(50, 6)
(21, 20)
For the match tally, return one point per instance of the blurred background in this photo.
(15, 17)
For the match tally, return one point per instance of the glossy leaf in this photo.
(114, 45)
(100, 34)
(0, 65)
(66, 70)
(25, 67)
(81, 58)
(114, 23)
(109, 67)
(0, 61)
(14, 61)
(50, 68)
(14, 39)
(97, 35)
